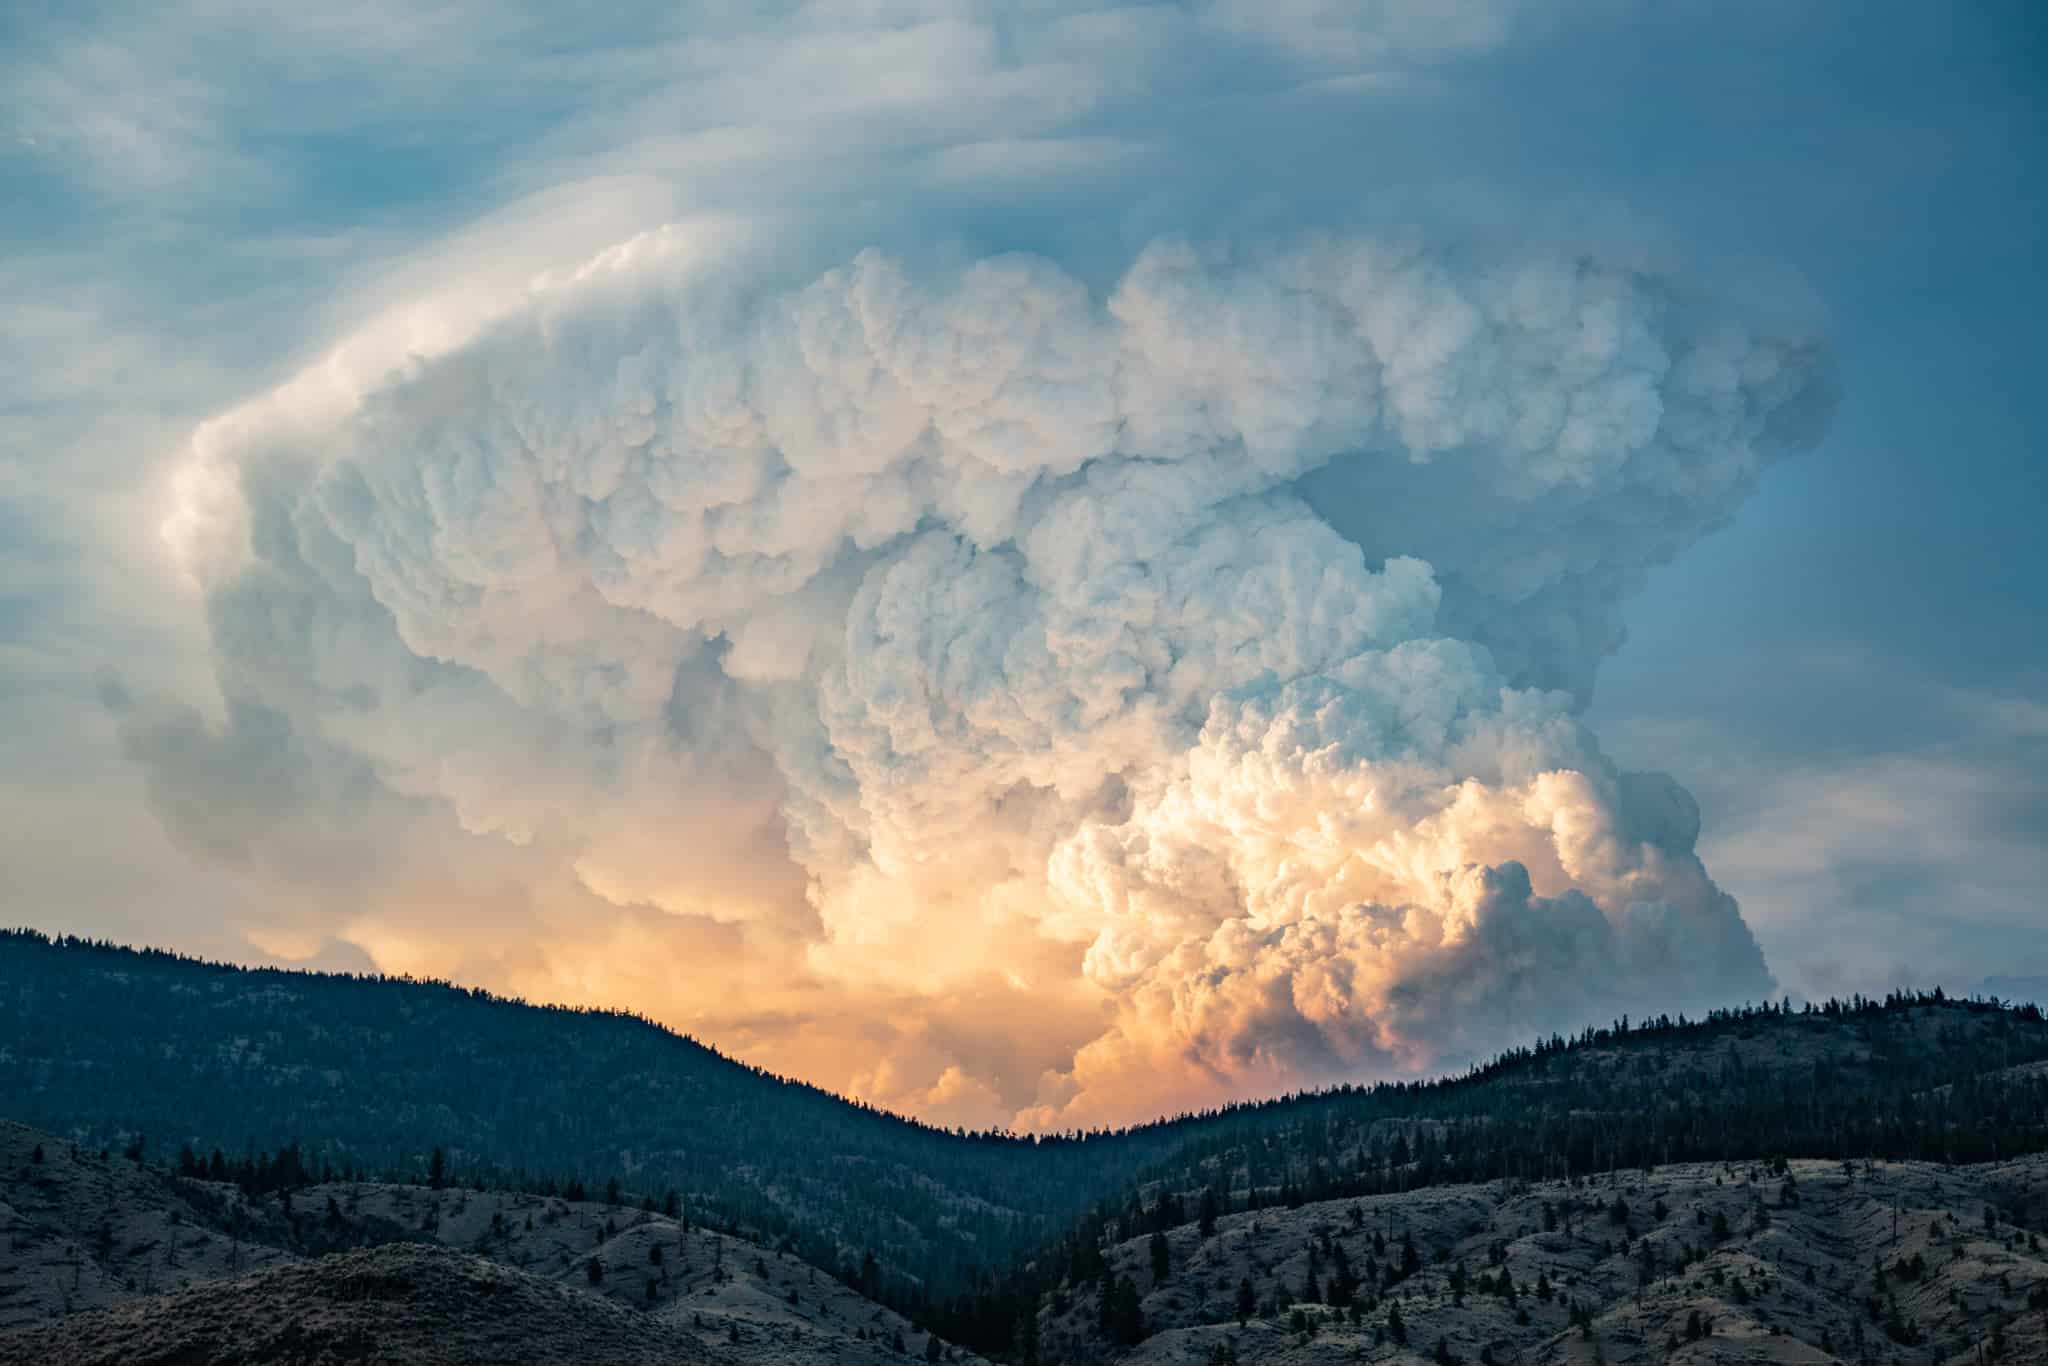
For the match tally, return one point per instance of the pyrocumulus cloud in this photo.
(1195, 654)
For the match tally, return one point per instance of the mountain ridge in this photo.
(962, 1231)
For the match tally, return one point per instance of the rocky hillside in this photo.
(1916, 1080)
(107, 1260)
(1806, 1261)
(78, 1232)
(117, 1260)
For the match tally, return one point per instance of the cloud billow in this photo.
(1203, 655)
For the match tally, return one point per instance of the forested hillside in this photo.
(116, 1047)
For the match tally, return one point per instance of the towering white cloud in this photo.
(1200, 656)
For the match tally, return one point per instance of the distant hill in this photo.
(108, 1047)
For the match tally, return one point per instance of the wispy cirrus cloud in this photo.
(1914, 858)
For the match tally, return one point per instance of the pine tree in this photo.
(1343, 1281)
(1127, 1323)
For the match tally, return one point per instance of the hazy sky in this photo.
(1034, 563)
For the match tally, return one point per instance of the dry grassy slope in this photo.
(402, 1304)
(710, 1291)
(80, 1233)
(706, 1283)
(1789, 1287)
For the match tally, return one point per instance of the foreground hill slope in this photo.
(402, 1304)
(1798, 1262)
(1788, 1262)
(81, 1232)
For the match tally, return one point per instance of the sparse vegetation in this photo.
(973, 1235)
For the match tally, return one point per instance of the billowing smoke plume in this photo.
(1198, 660)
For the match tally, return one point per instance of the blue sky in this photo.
(206, 200)
(1869, 627)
